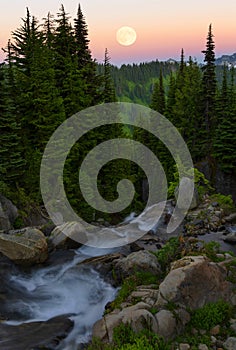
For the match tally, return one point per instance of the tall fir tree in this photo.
(209, 88)
(177, 114)
(158, 97)
(81, 40)
(171, 96)
(85, 63)
(108, 90)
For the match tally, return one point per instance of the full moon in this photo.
(126, 36)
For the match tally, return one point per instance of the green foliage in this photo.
(204, 319)
(130, 283)
(108, 93)
(209, 89)
(50, 74)
(225, 202)
(18, 223)
(224, 145)
(128, 286)
(173, 184)
(202, 184)
(124, 338)
(158, 97)
(194, 340)
(231, 268)
(170, 252)
(135, 83)
(211, 315)
(11, 156)
(211, 249)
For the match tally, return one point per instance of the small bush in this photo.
(225, 202)
(130, 284)
(18, 223)
(124, 338)
(202, 184)
(211, 315)
(211, 249)
(170, 252)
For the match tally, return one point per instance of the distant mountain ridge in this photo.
(228, 60)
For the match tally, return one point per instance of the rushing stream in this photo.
(64, 287)
(60, 289)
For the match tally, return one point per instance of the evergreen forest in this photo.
(49, 74)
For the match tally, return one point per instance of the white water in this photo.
(62, 289)
(232, 229)
(69, 289)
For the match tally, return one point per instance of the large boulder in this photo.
(69, 235)
(194, 281)
(231, 218)
(35, 335)
(25, 247)
(8, 213)
(137, 316)
(137, 262)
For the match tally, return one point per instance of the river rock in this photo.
(105, 266)
(194, 281)
(35, 335)
(69, 235)
(231, 218)
(8, 213)
(25, 247)
(166, 324)
(184, 346)
(230, 343)
(136, 315)
(230, 238)
(137, 262)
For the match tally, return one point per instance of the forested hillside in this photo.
(49, 75)
(135, 83)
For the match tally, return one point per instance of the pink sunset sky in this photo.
(162, 27)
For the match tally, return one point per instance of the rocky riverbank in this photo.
(162, 284)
